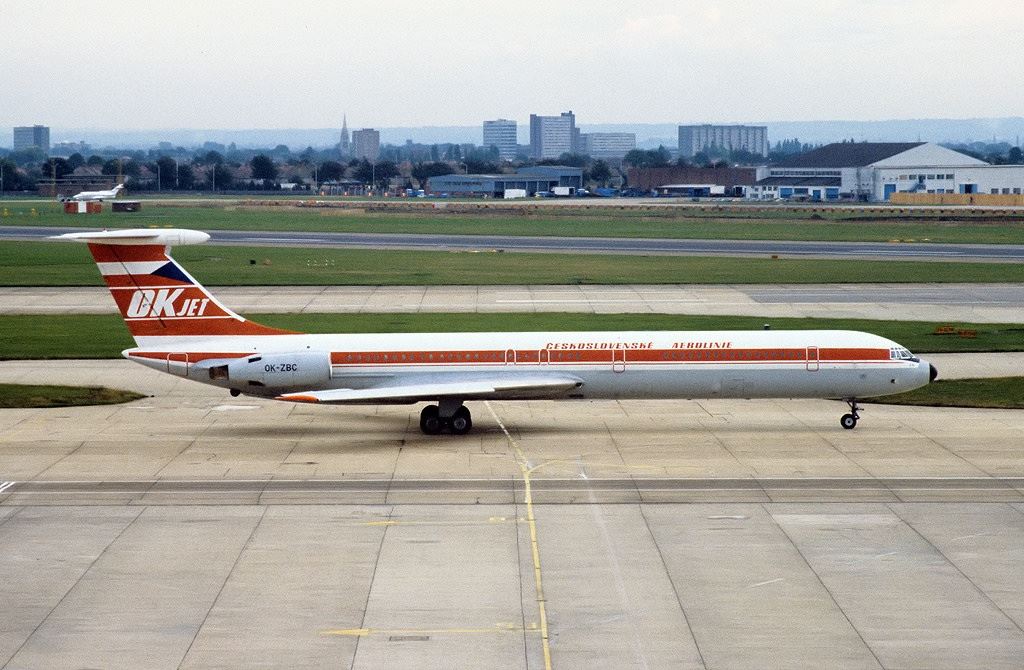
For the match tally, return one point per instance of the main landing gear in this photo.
(447, 415)
(849, 421)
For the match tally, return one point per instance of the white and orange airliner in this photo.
(182, 329)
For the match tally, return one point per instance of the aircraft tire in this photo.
(430, 420)
(462, 421)
(848, 421)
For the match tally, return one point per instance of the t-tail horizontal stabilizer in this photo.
(170, 237)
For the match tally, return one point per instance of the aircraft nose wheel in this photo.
(849, 421)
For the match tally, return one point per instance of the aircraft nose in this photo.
(932, 373)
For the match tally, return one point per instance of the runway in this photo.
(955, 303)
(1002, 253)
(191, 529)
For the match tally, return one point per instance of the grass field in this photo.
(993, 393)
(35, 396)
(66, 264)
(105, 336)
(679, 223)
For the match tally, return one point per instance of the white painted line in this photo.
(6, 485)
(770, 581)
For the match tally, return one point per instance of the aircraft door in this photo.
(618, 360)
(510, 357)
(812, 359)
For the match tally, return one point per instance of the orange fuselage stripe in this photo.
(577, 357)
(759, 355)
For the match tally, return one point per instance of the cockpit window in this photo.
(901, 354)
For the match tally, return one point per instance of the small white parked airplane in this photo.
(97, 196)
(181, 329)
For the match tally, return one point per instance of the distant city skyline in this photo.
(262, 64)
(648, 135)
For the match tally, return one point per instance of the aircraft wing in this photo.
(475, 389)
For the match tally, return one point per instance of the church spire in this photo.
(343, 147)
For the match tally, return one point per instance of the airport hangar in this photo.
(874, 171)
(530, 179)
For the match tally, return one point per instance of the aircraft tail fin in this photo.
(155, 295)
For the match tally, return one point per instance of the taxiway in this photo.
(190, 529)
(956, 303)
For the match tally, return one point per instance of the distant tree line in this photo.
(220, 167)
(996, 153)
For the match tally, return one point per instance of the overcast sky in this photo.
(274, 64)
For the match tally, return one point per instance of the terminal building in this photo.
(694, 181)
(541, 178)
(875, 171)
